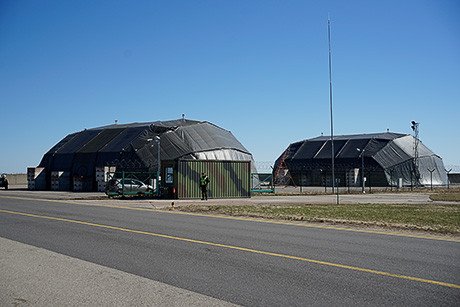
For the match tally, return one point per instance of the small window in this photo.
(169, 175)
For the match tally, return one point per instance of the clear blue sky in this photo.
(256, 68)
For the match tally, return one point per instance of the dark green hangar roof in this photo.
(391, 153)
(133, 146)
(345, 146)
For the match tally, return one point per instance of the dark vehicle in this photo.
(4, 181)
(128, 186)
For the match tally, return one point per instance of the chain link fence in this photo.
(349, 177)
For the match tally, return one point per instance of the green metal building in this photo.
(228, 179)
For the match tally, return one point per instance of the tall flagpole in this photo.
(330, 100)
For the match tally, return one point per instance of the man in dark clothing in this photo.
(204, 180)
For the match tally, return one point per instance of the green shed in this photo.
(228, 179)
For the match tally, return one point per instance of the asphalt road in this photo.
(191, 259)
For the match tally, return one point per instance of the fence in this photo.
(350, 178)
(262, 183)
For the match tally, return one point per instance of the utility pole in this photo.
(416, 154)
(330, 102)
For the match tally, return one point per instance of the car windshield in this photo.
(132, 182)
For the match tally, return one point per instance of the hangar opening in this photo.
(388, 158)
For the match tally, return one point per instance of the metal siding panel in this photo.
(228, 179)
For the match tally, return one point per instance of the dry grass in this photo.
(443, 219)
(435, 218)
(453, 196)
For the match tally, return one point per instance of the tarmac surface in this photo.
(377, 197)
(32, 276)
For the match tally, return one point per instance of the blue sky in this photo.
(256, 68)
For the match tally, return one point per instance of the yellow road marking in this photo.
(240, 249)
(259, 220)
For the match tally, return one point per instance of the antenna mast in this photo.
(416, 153)
(330, 100)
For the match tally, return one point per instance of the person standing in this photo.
(204, 180)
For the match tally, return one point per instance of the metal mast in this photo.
(416, 154)
(330, 101)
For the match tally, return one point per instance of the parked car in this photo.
(128, 186)
(4, 181)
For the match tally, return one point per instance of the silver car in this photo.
(128, 186)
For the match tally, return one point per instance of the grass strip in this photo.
(443, 219)
(446, 196)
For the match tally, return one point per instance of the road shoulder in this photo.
(32, 276)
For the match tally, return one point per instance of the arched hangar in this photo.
(389, 159)
(134, 147)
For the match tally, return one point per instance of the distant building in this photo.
(389, 160)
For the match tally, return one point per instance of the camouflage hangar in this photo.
(388, 159)
(81, 160)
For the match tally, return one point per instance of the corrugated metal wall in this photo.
(228, 179)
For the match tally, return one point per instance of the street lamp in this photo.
(362, 168)
(157, 139)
